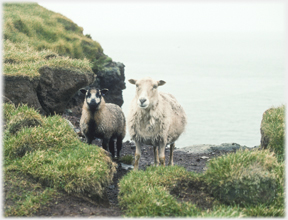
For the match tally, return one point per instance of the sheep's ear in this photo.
(103, 91)
(132, 81)
(161, 83)
(83, 91)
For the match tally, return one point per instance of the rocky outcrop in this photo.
(57, 86)
(22, 89)
(48, 93)
(112, 77)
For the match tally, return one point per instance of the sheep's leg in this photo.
(111, 147)
(105, 144)
(119, 145)
(172, 146)
(137, 155)
(156, 156)
(89, 140)
(162, 154)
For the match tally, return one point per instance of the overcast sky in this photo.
(173, 15)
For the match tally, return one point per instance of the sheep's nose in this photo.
(142, 100)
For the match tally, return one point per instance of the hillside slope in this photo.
(44, 29)
(37, 39)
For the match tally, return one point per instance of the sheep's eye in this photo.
(155, 87)
(137, 85)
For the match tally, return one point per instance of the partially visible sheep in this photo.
(102, 120)
(155, 118)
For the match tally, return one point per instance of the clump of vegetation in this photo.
(127, 159)
(23, 60)
(145, 193)
(39, 33)
(24, 119)
(246, 177)
(273, 129)
(44, 29)
(240, 176)
(53, 155)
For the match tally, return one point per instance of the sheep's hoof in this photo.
(171, 164)
(162, 161)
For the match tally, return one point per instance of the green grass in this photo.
(31, 33)
(44, 29)
(246, 177)
(273, 127)
(147, 193)
(23, 60)
(52, 154)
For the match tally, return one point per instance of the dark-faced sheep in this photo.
(155, 118)
(102, 120)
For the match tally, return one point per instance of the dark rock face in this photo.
(112, 77)
(48, 93)
(21, 89)
(57, 86)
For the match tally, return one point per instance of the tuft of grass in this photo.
(228, 174)
(53, 155)
(273, 127)
(82, 169)
(277, 207)
(27, 119)
(127, 159)
(146, 193)
(54, 133)
(24, 60)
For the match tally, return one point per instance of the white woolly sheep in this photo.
(155, 118)
(102, 120)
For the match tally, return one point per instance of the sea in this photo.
(225, 81)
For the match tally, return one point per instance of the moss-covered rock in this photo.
(246, 177)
